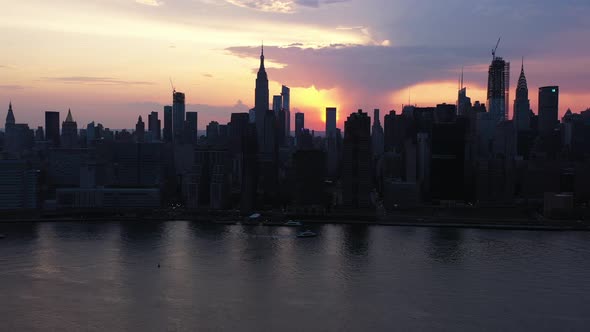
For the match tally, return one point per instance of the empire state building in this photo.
(261, 98)
(261, 93)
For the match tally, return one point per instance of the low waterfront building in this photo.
(108, 198)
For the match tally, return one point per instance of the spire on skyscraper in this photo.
(69, 118)
(10, 115)
(261, 92)
(522, 104)
(262, 57)
(522, 90)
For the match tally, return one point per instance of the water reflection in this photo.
(446, 245)
(142, 233)
(103, 277)
(356, 240)
(19, 231)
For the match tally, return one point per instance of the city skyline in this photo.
(373, 62)
(258, 165)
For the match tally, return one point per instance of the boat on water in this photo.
(2, 236)
(306, 233)
(293, 223)
(254, 216)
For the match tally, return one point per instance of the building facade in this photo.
(356, 161)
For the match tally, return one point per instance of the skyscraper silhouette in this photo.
(90, 134)
(238, 130)
(395, 131)
(377, 134)
(498, 85)
(281, 128)
(299, 125)
(261, 96)
(9, 117)
(154, 126)
(40, 135)
(269, 145)
(250, 168)
(522, 104)
(286, 94)
(191, 127)
(388, 131)
(356, 161)
(277, 103)
(9, 129)
(69, 132)
(463, 102)
(52, 127)
(252, 115)
(332, 143)
(168, 124)
(330, 121)
(261, 92)
(178, 110)
(212, 131)
(548, 109)
(139, 130)
(279, 114)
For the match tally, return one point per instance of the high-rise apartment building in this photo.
(331, 113)
(299, 125)
(168, 131)
(548, 109)
(286, 97)
(178, 115)
(356, 161)
(52, 128)
(154, 126)
(498, 85)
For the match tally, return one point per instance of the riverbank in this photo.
(399, 220)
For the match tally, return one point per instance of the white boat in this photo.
(254, 216)
(293, 223)
(306, 233)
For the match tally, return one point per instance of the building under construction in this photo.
(498, 87)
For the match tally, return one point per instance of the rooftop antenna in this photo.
(495, 49)
(461, 77)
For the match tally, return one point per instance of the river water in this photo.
(105, 277)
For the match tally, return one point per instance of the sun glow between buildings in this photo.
(432, 93)
(314, 102)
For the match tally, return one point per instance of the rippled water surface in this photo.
(105, 277)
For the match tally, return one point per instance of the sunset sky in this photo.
(111, 60)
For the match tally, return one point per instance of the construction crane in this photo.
(495, 49)
(172, 85)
